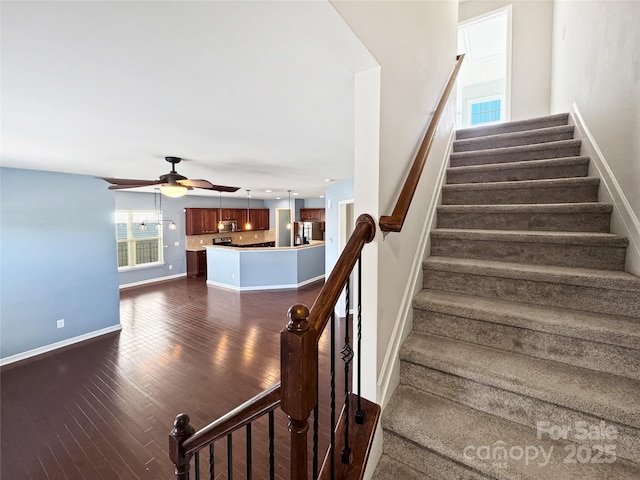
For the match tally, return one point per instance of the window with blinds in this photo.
(139, 238)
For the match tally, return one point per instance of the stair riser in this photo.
(511, 196)
(533, 124)
(597, 356)
(432, 464)
(514, 141)
(591, 299)
(552, 222)
(464, 158)
(559, 254)
(509, 405)
(517, 174)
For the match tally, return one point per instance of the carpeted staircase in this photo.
(527, 325)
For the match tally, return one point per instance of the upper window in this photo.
(139, 238)
(486, 112)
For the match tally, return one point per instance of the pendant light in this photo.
(220, 224)
(155, 206)
(247, 226)
(290, 211)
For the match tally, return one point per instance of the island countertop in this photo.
(265, 268)
(313, 243)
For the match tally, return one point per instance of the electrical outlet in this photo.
(176, 244)
(256, 236)
(170, 267)
(201, 242)
(240, 237)
(60, 323)
(233, 275)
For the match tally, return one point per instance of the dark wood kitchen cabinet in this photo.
(196, 263)
(259, 218)
(200, 221)
(312, 214)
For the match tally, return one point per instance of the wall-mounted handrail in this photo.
(394, 222)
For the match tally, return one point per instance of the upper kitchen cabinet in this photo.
(199, 221)
(312, 214)
(259, 218)
(230, 214)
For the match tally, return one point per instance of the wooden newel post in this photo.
(181, 431)
(298, 359)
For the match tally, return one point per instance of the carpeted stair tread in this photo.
(526, 137)
(452, 429)
(530, 209)
(538, 151)
(578, 217)
(523, 170)
(571, 249)
(542, 273)
(614, 330)
(517, 126)
(610, 397)
(572, 238)
(391, 469)
(543, 183)
(556, 190)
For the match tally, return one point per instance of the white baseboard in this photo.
(623, 220)
(389, 377)
(265, 287)
(54, 346)
(152, 280)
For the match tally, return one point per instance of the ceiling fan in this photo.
(171, 184)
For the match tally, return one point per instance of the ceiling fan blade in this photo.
(195, 183)
(222, 188)
(122, 187)
(129, 181)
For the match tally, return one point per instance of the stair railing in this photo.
(394, 222)
(351, 435)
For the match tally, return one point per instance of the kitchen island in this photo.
(265, 268)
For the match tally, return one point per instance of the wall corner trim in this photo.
(63, 343)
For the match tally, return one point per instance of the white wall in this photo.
(415, 44)
(531, 52)
(596, 65)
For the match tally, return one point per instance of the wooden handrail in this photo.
(364, 232)
(394, 222)
(237, 418)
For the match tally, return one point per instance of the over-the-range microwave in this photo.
(227, 226)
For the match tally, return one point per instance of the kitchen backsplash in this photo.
(240, 238)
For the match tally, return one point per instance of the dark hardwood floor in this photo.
(103, 409)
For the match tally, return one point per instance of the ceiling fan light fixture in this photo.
(173, 191)
(172, 225)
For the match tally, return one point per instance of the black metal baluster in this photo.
(248, 451)
(229, 457)
(196, 462)
(211, 467)
(359, 412)
(332, 437)
(272, 457)
(347, 356)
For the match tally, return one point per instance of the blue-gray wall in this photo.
(334, 194)
(173, 208)
(58, 258)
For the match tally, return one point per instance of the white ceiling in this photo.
(257, 95)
